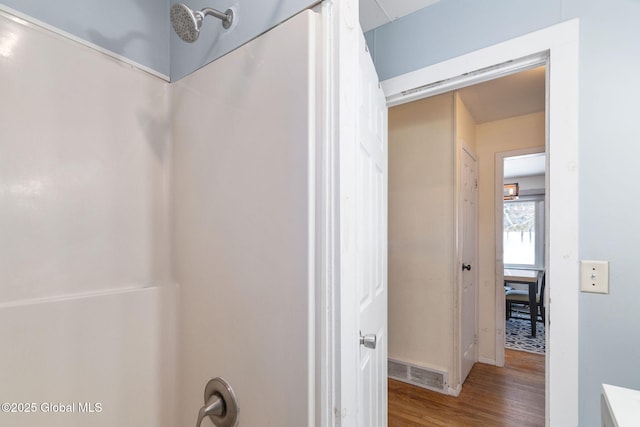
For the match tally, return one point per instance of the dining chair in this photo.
(517, 296)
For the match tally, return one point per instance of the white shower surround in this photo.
(86, 294)
(86, 280)
(243, 132)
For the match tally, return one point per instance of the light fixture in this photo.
(511, 191)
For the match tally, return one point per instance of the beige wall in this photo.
(465, 124)
(421, 223)
(516, 133)
(421, 246)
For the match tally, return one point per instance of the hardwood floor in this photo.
(491, 396)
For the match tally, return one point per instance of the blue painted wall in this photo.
(253, 18)
(136, 29)
(609, 152)
(140, 29)
(452, 28)
(609, 149)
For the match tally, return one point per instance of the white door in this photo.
(468, 305)
(371, 248)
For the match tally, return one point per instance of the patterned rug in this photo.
(518, 336)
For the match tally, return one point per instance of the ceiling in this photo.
(510, 96)
(374, 13)
(527, 165)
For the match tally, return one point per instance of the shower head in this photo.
(187, 22)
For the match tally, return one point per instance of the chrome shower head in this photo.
(187, 22)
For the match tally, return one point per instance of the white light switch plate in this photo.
(594, 276)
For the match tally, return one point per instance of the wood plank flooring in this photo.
(491, 396)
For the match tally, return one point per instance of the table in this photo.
(527, 277)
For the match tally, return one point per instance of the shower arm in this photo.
(226, 17)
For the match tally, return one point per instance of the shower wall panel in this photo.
(85, 283)
(243, 137)
(83, 171)
(98, 360)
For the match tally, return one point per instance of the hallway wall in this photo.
(421, 232)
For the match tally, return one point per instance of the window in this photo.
(523, 233)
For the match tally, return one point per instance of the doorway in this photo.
(520, 244)
(440, 320)
(509, 116)
(559, 42)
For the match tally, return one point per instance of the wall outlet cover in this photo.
(594, 276)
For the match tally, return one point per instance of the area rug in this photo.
(518, 336)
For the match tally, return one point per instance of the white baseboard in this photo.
(455, 392)
(487, 361)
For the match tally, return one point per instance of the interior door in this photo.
(371, 248)
(469, 297)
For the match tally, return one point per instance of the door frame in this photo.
(500, 305)
(559, 45)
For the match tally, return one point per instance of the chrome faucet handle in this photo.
(213, 406)
(220, 404)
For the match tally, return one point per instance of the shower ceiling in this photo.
(374, 13)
